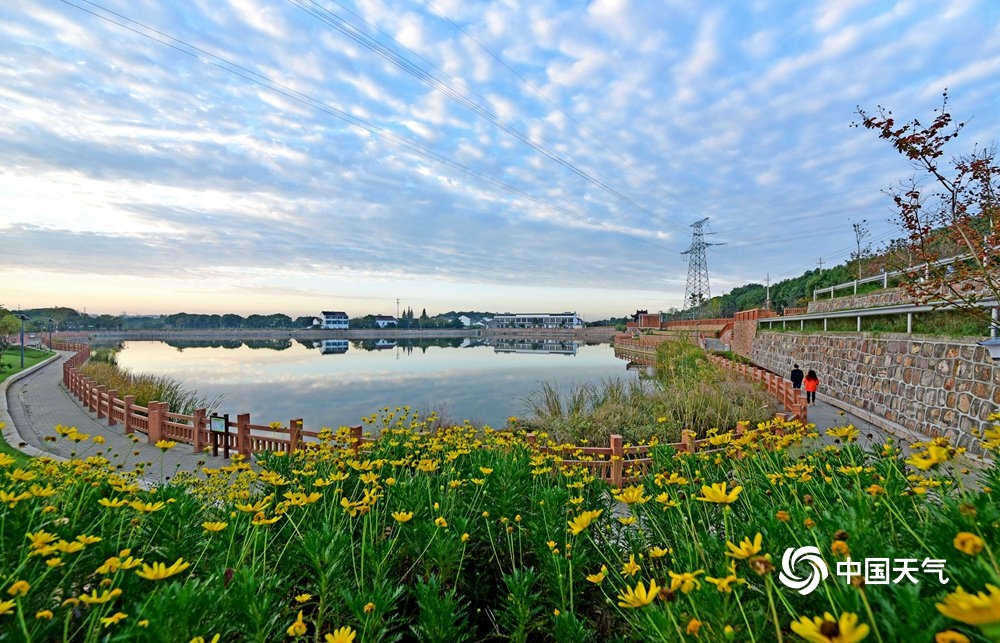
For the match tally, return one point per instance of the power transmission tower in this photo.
(697, 291)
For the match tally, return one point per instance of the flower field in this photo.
(464, 534)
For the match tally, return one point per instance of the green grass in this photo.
(10, 364)
(10, 360)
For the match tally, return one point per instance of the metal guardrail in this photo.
(899, 309)
(884, 277)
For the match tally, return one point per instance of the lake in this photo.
(338, 382)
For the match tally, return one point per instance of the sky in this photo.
(244, 156)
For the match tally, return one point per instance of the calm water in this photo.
(340, 382)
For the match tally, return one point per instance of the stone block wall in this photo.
(924, 385)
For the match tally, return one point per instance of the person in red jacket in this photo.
(811, 383)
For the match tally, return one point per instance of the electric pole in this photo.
(697, 291)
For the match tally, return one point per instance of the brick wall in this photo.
(916, 384)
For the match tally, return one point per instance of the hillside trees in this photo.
(948, 208)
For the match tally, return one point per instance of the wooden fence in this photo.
(792, 399)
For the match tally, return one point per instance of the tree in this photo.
(9, 325)
(861, 232)
(952, 224)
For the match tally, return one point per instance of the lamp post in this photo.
(51, 322)
(23, 319)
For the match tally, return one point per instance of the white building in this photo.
(537, 320)
(385, 320)
(335, 319)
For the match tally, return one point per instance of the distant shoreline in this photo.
(591, 335)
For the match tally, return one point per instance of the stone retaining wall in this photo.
(925, 385)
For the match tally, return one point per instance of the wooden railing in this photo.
(791, 398)
(158, 422)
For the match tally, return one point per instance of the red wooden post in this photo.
(294, 434)
(154, 421)
(530, 439)
(112, 396)
(356, 437)
(101, 392)
(687, 440)
(128, 401)
(198, 424)
(243, 433)
(617, 460)
(741, 427)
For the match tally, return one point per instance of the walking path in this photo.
(34, 402)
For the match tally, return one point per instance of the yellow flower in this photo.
(302, 598)
(159, 571)
(40, 539)
(849, 433)
(342, 635)
(44, 614)
(979, 609)
(685, 581)
(658, 552)
(746, 548)
(19, 588)
(146, 507)
(164, 445)
(693, 626)
(111, 502)
(369, 608)
(629, 520)
(583, 521)
(115, 618)
(402, 516)
(630, 568)
(631, 495)
(831, 630)
(485, 471)
(465, 537)
(783, 516)
(69, 547)
(93, 599)
(717, 494)
(143, 623)
(260, 520)
(440, 521)
(598, 578)
(197, 639)
(875, 489)
(969, 543)
(214, 526)
(724, 585)
(640, 596)
(950, 636)
(256, 507)
(840, 548)
(298, 628)
(6, 607)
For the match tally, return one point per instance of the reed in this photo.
(147, 387)
(687, 392)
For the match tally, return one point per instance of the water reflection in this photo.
(337, 382)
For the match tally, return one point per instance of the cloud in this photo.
(642, 117)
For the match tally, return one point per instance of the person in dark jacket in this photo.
(796, 376)
(812, 383)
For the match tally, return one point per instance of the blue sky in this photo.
(524, 156)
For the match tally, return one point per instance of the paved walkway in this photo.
(37, 402)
